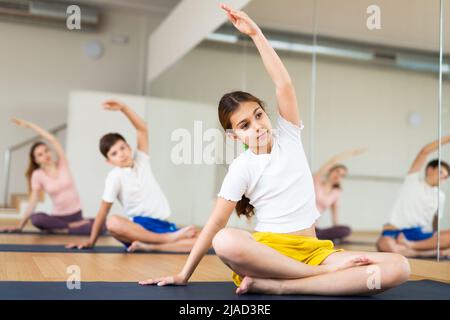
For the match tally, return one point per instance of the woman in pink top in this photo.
(327, 185)
(53, 177)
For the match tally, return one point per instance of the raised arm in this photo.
(217, 221)
(44, 134)
(138, 123)
(285, 91)
(323, 170)
(423, 154)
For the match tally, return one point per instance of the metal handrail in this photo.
(7, 159)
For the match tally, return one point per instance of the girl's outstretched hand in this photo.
(178, 280)
(20, 122)
(113, 105)
(241, 20)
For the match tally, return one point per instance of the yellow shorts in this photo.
(308, 250)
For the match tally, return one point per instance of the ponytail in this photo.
(243, 207)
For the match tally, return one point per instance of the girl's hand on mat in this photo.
(241, 20)
(85, 245)
(20, 122)
(112, 105)
(350, 262)
(178, 280)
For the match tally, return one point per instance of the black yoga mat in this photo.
(61, 249)
(412, 290)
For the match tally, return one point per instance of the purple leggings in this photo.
(48, 222)
(333, 233)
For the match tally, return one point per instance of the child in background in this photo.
(133, 184)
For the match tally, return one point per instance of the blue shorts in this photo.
(153, 225)
(412, 234)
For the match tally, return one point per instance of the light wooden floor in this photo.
(16, 266)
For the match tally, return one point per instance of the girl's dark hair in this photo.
(108, 140)
(228, 104)
(336, 167)
(33, 165)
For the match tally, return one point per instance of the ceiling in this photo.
(150, 6)
(412, 24)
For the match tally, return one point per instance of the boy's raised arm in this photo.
(138, 123)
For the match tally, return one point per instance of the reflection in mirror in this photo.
(443, 223)
(375, 134)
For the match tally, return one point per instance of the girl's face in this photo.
(252, 126)
(120, 155)
(43, 156)
(337, 175)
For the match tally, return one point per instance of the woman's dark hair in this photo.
(108, 140)
(435, 163)
(33, 165)
(336, 167)
(228, 104)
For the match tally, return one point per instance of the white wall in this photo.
(40, 66)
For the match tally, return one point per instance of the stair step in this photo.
(9, 210)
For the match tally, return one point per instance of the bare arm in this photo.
(335, 214)
(422, 156)
(32, 201)
(217, 221)
(337, 159)
(285, 91)
(100, 219)
(44, 134)
(138, 123)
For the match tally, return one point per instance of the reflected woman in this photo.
(327, 185)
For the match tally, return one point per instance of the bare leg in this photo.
(389, 270)
(128, 231)
(183, 245)
(78, 223)
(430, 243)
(243, 254)
(389, 244)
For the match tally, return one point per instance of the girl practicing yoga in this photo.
(53, 177)
(327, 185)
(272, 180)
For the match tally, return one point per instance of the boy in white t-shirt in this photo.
(133, 184)
(415, 212)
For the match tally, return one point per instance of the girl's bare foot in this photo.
(257, 285)
(140, 246)
(78, 223)
(401, 239)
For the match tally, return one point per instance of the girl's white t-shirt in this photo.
(137, 190)
(279, 184)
